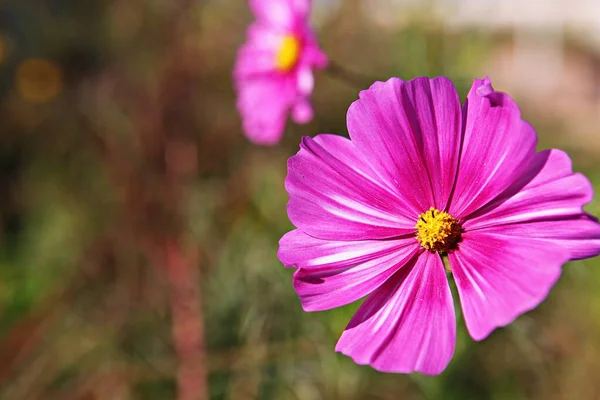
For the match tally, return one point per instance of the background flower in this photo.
(273, 72)
(419, 180)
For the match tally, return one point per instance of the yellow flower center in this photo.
(437, 231)
(288, 54)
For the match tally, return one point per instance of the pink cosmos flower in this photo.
(273, 73)
(422, 179)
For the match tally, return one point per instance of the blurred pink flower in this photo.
(273, 72)
(422, 178)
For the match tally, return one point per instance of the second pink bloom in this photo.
(274, 70)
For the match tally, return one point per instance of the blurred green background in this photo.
(119, 134)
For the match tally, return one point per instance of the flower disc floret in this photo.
(289, 53)
(437, 231)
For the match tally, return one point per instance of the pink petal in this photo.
(305, 80)
(500, 278)
(278, 13)
(312, 54)
(407, 324)
(263, 104)
(548, 189)
(301, 7)
(484, 88)
(251, 62)
(580, 234)
(497, 148)
(258, 55)
(332, 273)
(302, 112)
(410, 133)
(334, 194)
(264, 37)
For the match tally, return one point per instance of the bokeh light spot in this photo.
(39, 80)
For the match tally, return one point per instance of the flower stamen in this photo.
(289, 53)
(437, 231)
